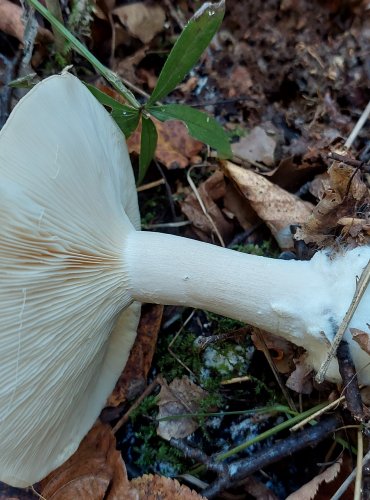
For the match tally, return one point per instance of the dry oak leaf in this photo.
(11, 22)
(310, 489)
(134, 376)
(142, 19)
(340, 203)
(175, 147)
(151, 487)
(300, 380)
(94, 472)
(210, 191)
(179, 397)
(275, 206)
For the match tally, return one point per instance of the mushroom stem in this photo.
(302, 301)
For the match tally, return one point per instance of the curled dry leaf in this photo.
(133, 378)
(339, 209)
(11, 22)
(210, 191)
(275, 206)
(362, 338)
(281, 350)
(175, 147)
(151, 487)
(310, 489)
(94, 472)
(181, 396)
(142, 19)
(257, 146)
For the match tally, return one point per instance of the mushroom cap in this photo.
(67, 200)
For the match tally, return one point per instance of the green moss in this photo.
(266, 249)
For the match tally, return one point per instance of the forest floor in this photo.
(288, 80)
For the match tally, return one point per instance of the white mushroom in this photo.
(71, 258)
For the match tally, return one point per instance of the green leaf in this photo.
(200, 126)
(112, 77)
(126, 117)
(149, 138)
(190, 45)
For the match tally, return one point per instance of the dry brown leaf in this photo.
(11, 22)
(142, 19)
(281, 350)
(210, 191)
(179, 397)
(133, 379)
(362, 338)
(310, 489)
(94, 472)
(175, 148)
(300, 380)
(152, 487)
(340, 202)
(257, 146)
(275, 206)
(236, 204)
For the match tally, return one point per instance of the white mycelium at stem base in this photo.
(71, 260)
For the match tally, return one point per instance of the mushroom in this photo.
(72, 259)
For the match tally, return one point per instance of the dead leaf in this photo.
(310, 489)
(300, 380)
(94, 472)
(11, 22)
(275, 206)
(179, 397)
(210, 191)
(257, 146)
(236, 204)
(281, 350)
(175, 148)
(152, 487)
(362, 338)
(133, 379)
(340, 202)
(144, 20)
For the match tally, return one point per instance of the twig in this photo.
(360, 290)
(150, 388)
(240, 469)
(360, 123)
(359, 465)
(150, 185)
(351, 390)
(202, 205)
(314, 416)
(350, 478)
(274, 370)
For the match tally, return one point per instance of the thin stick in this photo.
(317, 414)
(202, 205)
(360, 456)
(150, 388)
(359, 292)
(349, 479)
(360, 123)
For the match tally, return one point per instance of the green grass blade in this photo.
(200, 126)
(112, 77)
(190, 45)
